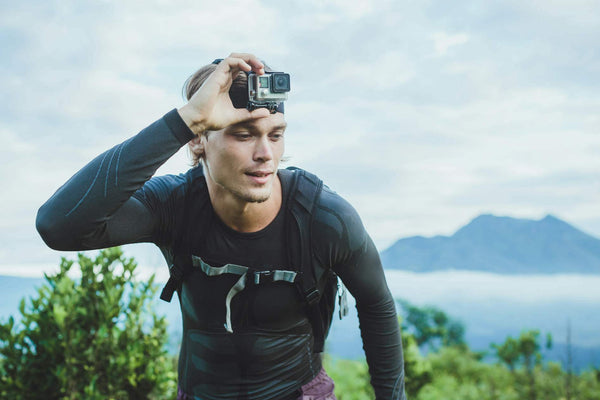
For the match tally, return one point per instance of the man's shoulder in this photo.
(165, 187)
(335, 219)
(337, 215)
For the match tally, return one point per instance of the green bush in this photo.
(352, 380)
(459, 373)
(93, 338)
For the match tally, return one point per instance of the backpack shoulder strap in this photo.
(305, 190)
(182, 257)
(303, 195)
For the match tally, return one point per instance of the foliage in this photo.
(459, 374)
(455, 372)
(431, 327)
(96, 338)
(417, 370)
(526, 351)
(508, 352)
(352, 380)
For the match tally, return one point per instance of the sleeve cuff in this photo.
(178, 127)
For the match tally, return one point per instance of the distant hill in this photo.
(501, 245)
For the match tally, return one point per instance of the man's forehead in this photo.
(272, 122)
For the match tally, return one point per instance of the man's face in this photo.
(242, 159)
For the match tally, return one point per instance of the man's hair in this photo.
(197, 79)
(237, 92)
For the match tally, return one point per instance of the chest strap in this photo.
(248, 276)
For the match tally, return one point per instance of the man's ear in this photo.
(196, 146)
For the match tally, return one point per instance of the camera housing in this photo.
(267, 90)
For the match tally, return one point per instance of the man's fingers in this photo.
(250, 59)
(242, 62)
(260, 113)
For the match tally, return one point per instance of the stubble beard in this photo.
(240, 193)
(254, 194)
(248, 194)
(252, 197)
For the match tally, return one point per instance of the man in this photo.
(240, 340)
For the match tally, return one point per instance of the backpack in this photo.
(318, 287)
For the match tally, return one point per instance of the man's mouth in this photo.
(259, 173)
(260, 177)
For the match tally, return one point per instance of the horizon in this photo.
(139, 251)
(489, 298)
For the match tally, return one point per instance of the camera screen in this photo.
(263, 81)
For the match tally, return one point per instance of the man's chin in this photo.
(255, 196)
(259, 197)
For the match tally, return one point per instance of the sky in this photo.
(422, 114)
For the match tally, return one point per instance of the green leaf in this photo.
(59, 315)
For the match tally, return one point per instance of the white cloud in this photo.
(504, 120)
(472, 286)
(443, 41)
(340, 9)
(386, 72)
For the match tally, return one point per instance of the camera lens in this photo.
(281, 83)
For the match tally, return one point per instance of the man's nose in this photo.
(263, 150)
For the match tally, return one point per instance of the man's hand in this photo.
(210, 108)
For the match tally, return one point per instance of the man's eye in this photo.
(242, 135)
(276, 136)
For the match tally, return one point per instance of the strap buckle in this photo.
(259, 277)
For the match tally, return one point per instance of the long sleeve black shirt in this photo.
(114, 201)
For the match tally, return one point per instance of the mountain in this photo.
(502, 245)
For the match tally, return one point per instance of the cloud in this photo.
(384, 73)
(443, 41)
(502, 118)
(469, 286)
(338, 9)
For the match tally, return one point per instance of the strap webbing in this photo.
(257, 277)
(175, 278)
(195, 186)
(215, 271)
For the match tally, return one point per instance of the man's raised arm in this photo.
(95, 209)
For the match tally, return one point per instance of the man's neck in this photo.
(244, 216)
